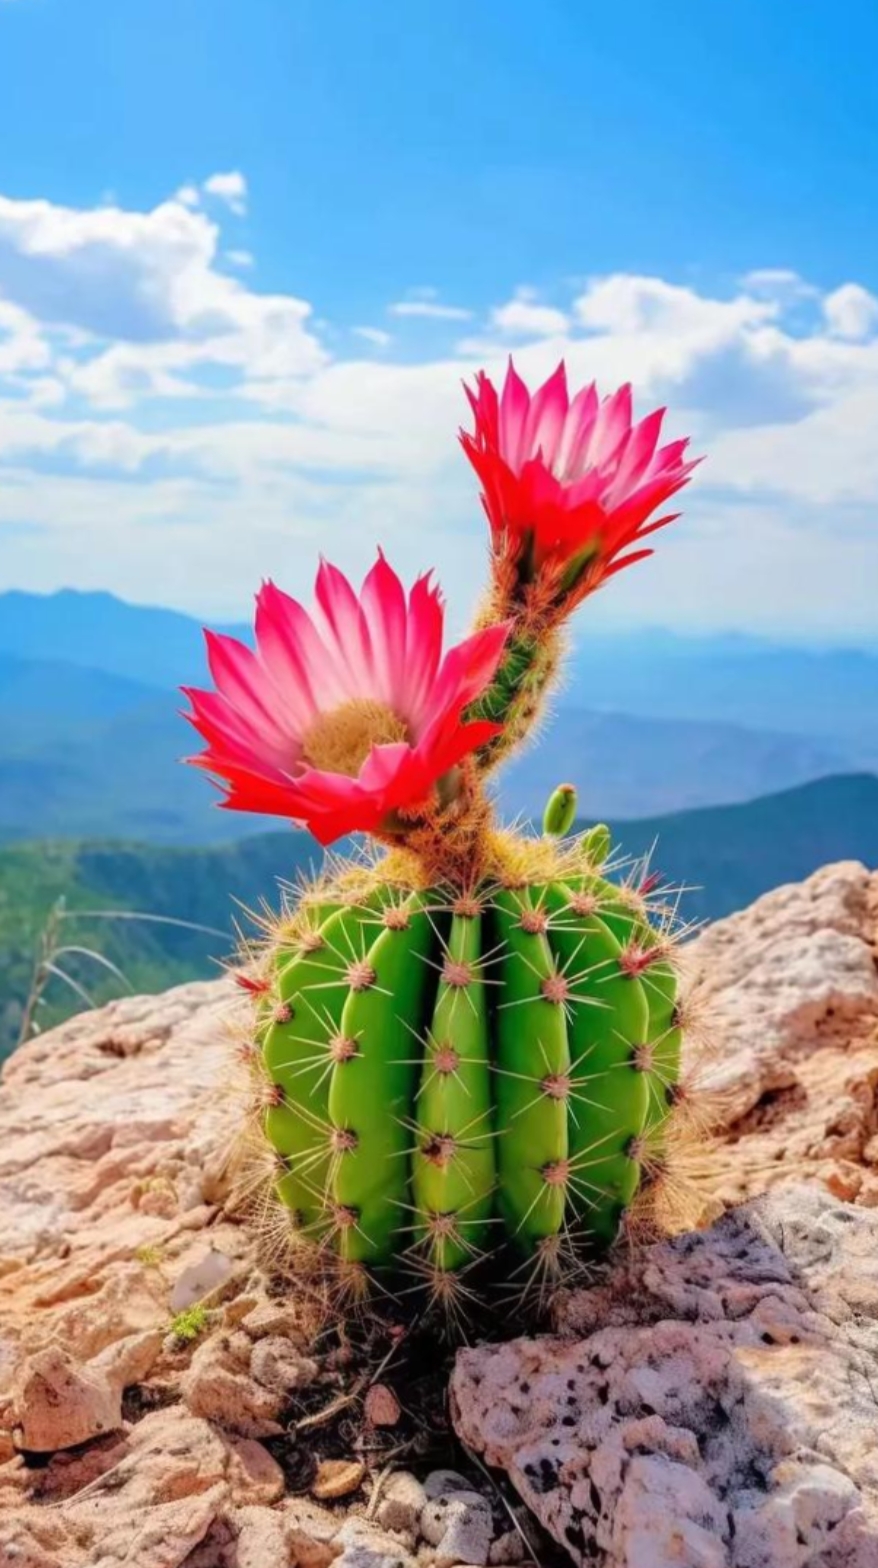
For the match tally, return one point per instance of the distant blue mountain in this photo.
(619, 761)
(730, 678)
(41, 689)
(155, 646)
(90, 734)
(806, 691)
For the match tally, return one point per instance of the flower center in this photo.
(340, 741)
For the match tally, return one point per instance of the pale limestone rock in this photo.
(365, 1546)
(721, 1404)
(311, 1533)
(401, 1503)
(459, 1526)
(440, 1482)
(171, 1483)
(218, 1385)
(261, 1539)
(279, 1366)
(789, 990)
(58, 1404)
(202, 1278)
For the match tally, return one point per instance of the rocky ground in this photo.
(165, 1402)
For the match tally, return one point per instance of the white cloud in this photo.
(239, 258)
(172, 433)
(374, 335)
(429, 310)
(230, 188)
(187, 196)
(524, 317)
(144, 295)
(780, 283)
(851, 312)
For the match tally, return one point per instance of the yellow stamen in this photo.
(340, 741)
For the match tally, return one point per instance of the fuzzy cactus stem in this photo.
(516, 697)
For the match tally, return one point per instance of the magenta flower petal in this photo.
(343, 718)
(564, 479)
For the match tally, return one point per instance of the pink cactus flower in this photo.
(570, 482)
(347, 716)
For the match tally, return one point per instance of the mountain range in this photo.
(725, 856)
(90, 733)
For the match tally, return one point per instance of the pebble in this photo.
(381, 1406)
(460, 1526)
(337, 1478)
(401, 1503)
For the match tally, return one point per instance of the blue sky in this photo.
(247, 252)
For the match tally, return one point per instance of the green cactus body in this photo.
(643, 953)
(446, 1075)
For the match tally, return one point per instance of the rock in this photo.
(401, 1503)
(218, 1385)
(59, 1405)
(156, 1493)
(719, 1407)
(113, 1144)
(261, 1539)
(789, 991)
(282, 1318)
(337, 1478)
(438, 1482)
(278, 1366)
(460, 1526)
(310, 1532)
(364, 1555)
(507, 1548)
(362, 1546)
(381, 1406)
(208, 1273)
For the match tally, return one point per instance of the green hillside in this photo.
(203, 886)
(727, 855)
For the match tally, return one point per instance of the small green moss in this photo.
(149, 1255)
(188, 1325)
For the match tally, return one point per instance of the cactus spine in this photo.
(446, 1073)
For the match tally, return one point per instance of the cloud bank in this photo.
(171, 432)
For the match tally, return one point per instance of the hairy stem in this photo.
(516, 698)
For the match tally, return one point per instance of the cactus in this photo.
(468, 1047)
(442, 1074)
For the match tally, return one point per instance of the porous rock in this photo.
(279, 1366)
(712, 1406)
(114, 1147)
(788, 989)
